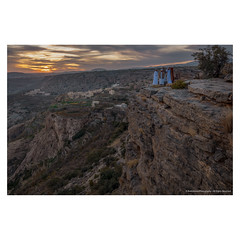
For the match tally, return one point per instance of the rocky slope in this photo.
(71, 149)
(127, 139)
(180, 141)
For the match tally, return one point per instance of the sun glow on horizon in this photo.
(172, 63)
(59, 58)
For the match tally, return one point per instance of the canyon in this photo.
(111, 132)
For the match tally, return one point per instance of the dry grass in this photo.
(179, 84)
(132, 163)
(157, 86)
(228, 122)
(144, 98)
(141, 130)
(144, 190)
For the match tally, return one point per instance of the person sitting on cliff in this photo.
(162, 78)
(155, 77)
(169, 77)
(172, 74)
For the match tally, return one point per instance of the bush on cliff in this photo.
(55, 183)
(120, 127)
(179, 84)
(108, 182)
(96, 154)
(79, 134)
(212, 60)
(227, 72)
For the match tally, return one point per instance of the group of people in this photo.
(164, 77)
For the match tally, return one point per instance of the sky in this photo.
(61, 58)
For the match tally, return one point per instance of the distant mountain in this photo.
(98, 69)
(16, 74)
(26, 75)
(65, 72)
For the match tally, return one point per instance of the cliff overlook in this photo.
(180, 141)
(126, 139)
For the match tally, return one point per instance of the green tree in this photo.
(212, 60)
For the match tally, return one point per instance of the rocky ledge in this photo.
(180, 141)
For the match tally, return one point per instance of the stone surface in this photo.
(216, 89)
(178, 141)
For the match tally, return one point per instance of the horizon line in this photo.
(149, 66)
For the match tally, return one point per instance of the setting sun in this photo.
(46, 69)
(64, 58)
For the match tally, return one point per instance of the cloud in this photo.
(68, 57)
(13, 50)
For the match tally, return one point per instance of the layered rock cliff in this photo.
(180, 141)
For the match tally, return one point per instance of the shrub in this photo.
(108, 151)
(85, 169)
(123, 151)
(70, 175)
(27, 174)
(48, 162)
(79, 134)
(227, 72)
(110, 160)
(54, 106)
(91, 183)
(120, 127)
(95, 155)
(144, 98)
(72, 191)
(109, 180)
(13, 184)
(227, 69)
(212, 60)
(55, 183)
(179, 84)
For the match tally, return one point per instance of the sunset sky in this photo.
(58, 58)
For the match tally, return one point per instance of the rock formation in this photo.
(178, 143)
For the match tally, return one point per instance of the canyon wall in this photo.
(180, 141)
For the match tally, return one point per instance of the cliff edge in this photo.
(180, 141)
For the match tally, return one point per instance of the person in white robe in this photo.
(165, 76)
(169, 79)
(162, 79)
(155, 78)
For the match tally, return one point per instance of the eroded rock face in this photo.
(17, 151)
(177, 142)
(49, 140)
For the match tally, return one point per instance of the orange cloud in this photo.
(173, 63)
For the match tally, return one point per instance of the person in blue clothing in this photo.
(155, 77)
(162, 77)
(169, 78)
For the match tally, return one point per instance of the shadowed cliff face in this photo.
(72, 150)
(178, 142)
